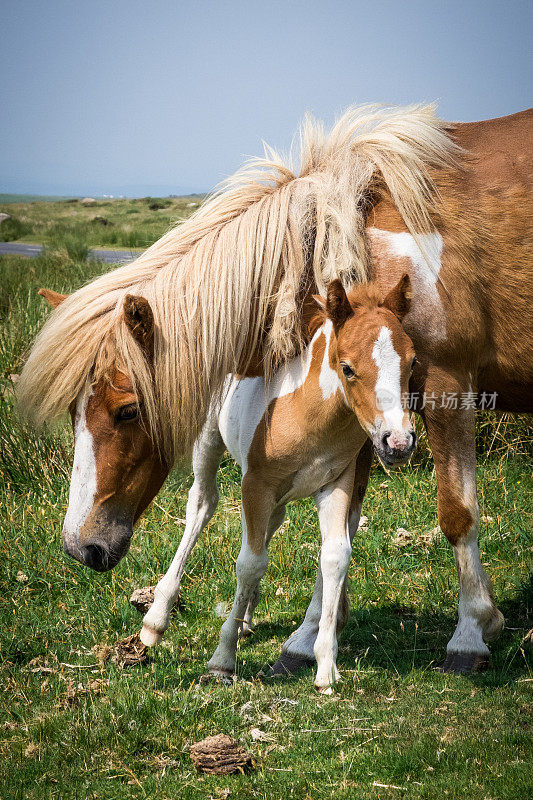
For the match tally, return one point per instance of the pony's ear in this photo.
(139, 318)
(398, 300)
(320, 301)
(338, 306)
(54, 298)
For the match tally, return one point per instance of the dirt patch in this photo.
(75, 691)
(220, 755)
(126, 653)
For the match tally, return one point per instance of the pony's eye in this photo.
(347, 371)
(414, 362)
(127, 413)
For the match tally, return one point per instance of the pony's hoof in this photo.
(149, 637)
(286, 665)
(464, 663)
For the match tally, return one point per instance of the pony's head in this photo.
(374, 358)
(117, 468)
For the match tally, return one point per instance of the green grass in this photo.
(392, 721)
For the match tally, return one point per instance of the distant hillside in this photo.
(33, 198)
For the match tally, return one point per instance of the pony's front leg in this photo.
(201, 505)
(452, 440)
(333, 504)
(257, 506)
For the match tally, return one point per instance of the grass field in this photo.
(72, 727)
(105, 223)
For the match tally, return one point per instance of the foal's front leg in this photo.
(258, 503)
(298, 650)
(333, 508)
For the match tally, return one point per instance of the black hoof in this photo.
(286, 665)
(464, 663)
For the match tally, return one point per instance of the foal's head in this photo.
(374, 358)
(117, 469)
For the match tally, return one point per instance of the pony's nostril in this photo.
(385, 441)
(95, 556)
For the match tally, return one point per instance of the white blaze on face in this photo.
(83, 480)
(388, 386)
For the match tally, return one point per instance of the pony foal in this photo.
(299, 435)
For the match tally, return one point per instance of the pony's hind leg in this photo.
(275, 521)
(451, 436)
(298, 651)
(258, 504)
(201, 504)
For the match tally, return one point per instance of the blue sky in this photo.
(160, 97)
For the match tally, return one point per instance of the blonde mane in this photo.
(229, 282)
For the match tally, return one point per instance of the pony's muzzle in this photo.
(102, 547)
(94, 554)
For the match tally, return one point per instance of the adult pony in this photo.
(386, 192)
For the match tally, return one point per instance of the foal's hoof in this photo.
(464, 663)
(286, 665)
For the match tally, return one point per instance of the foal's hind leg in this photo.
(258, 504)
(201, 504)
(452, 440)
(298, 651)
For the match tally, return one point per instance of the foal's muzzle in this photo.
(395, 448)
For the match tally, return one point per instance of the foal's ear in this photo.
(139, 318)
(54, 298)
(399, 298)
(319, 300)
(338, 306)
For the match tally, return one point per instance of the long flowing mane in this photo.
(228, 282)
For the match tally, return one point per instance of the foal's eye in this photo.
(414, 362)
(347, 371)
(127, 413)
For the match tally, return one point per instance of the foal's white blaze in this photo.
(388, 386)
(83, 481)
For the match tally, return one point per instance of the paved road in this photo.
(33, 250)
